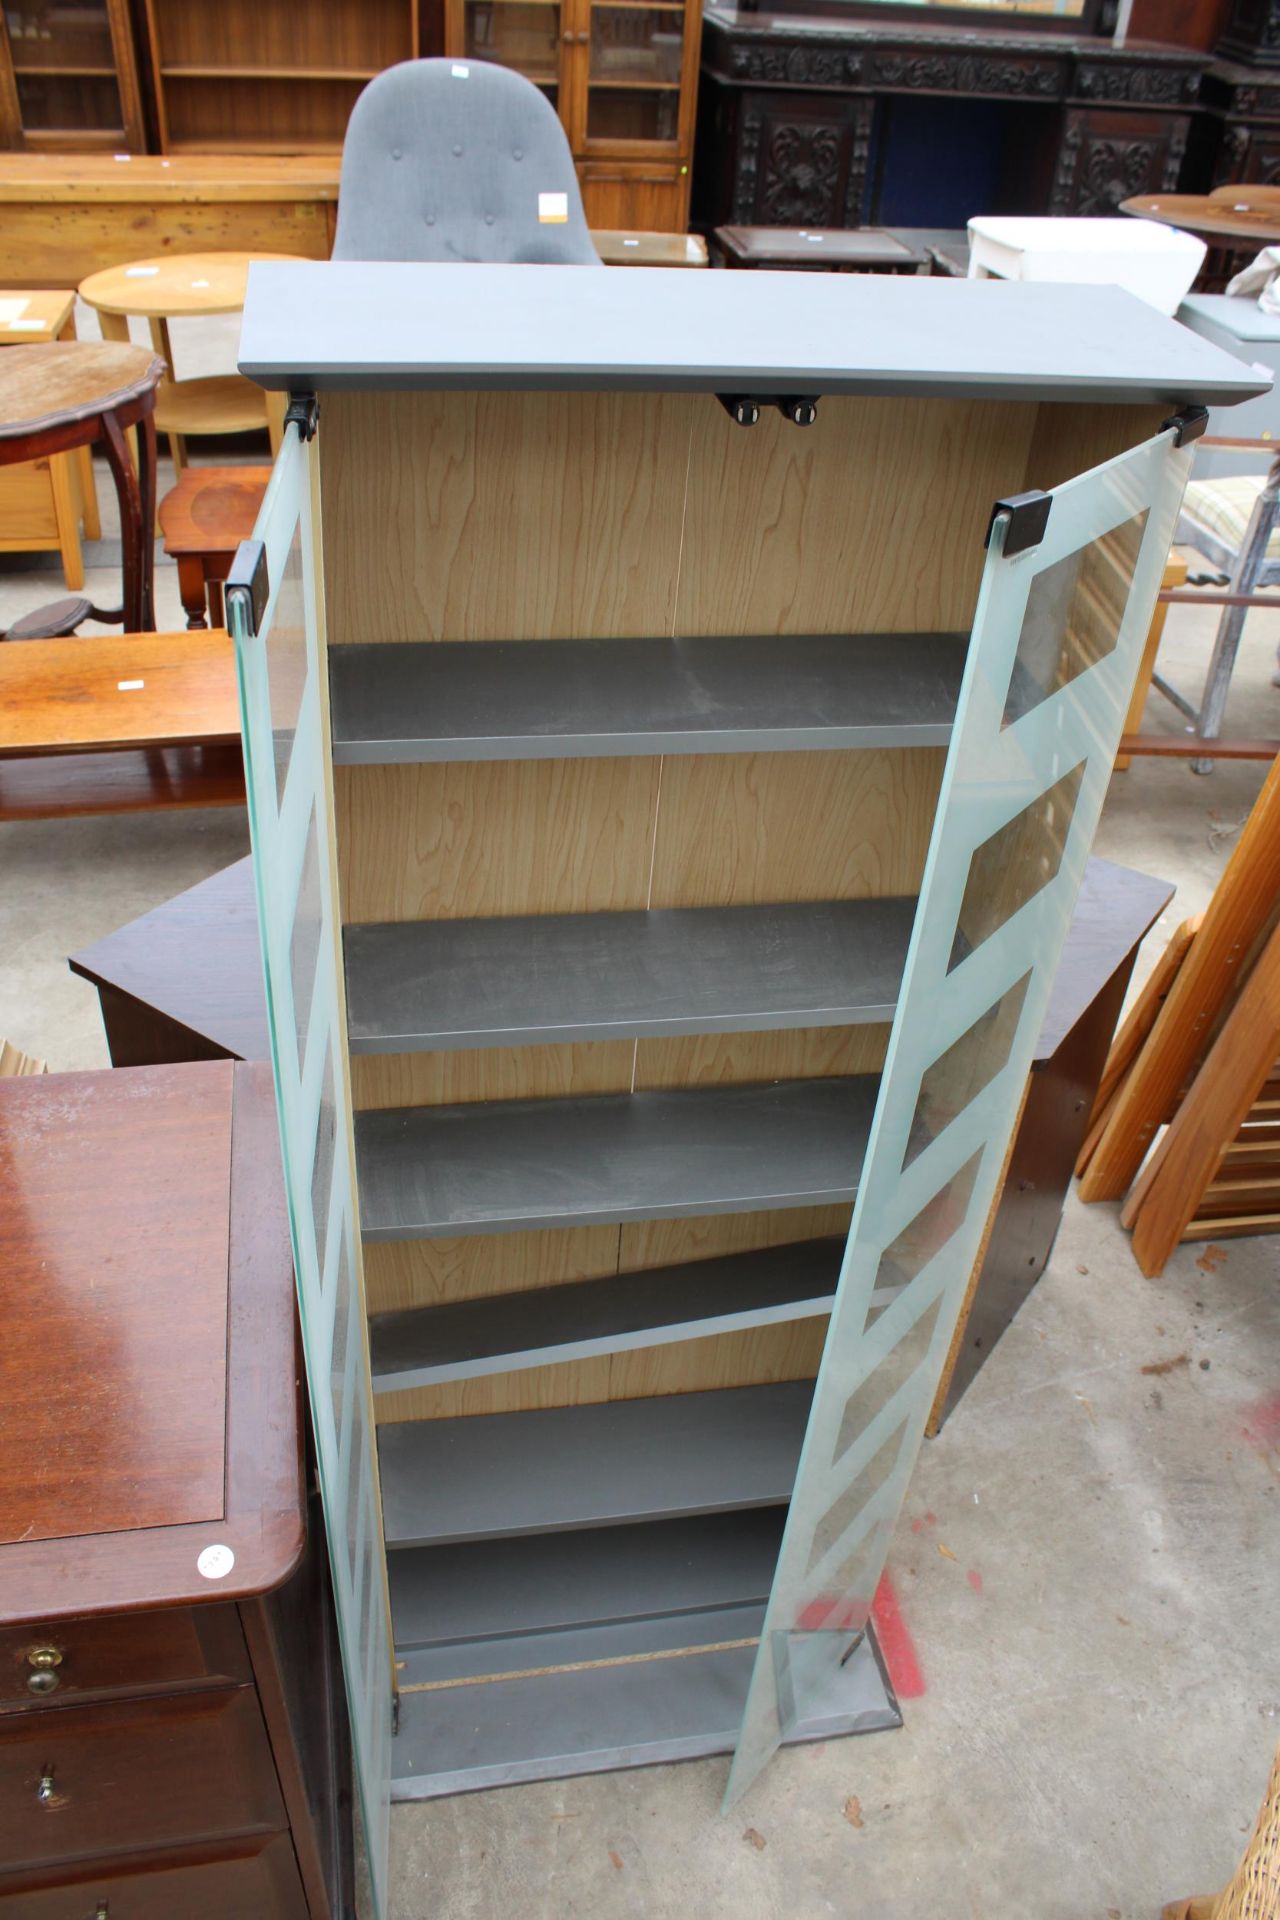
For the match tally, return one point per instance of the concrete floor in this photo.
(1088, 1563)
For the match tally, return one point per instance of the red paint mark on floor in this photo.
(928, 1520)
(1261, 1426)
(896, 1644)
(975, 1579)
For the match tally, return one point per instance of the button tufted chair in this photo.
(458, 160)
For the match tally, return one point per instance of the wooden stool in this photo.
(46, 503)
(70, 394)
(187, 285)
(203, 520)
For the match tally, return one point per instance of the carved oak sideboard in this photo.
(837, 122)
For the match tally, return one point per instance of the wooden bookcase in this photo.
(623, 78)
(257, 76)
(69, 76)
(619, 949)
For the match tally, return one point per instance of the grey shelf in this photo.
(422, 1346)
(553, 699)
(555, 1721)
(503, 1166)
(423, 985)
(493, 1591)
(562, 1468)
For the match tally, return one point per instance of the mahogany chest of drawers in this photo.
(172, 1730)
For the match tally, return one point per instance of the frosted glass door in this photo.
(1056, 641)
(283, 705)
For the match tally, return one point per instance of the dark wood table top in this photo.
(197, 961)
(150, 1438)
(818, 246)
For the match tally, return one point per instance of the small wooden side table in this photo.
(71, 394)
(619, 247)
(203, 520)
(186, 286)
(173, 1738)
(818, 249)
(127, 723)
(46, 502)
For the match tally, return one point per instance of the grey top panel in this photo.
(356, 324)
(1230, 314)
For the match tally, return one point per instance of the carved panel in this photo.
(795, 66)
(1106, 158)
(800, 182)
(1175, 153)
(746, 172)
(1149, 86)
(973, 73)
(1233, 156)
(1063, 193)
(859, 159)
(800, 161)
(1264, 102)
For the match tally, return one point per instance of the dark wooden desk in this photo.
(185, 982)
(172, 1734)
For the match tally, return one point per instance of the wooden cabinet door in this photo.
(635, 67)
(1105, 157)
(532, 37)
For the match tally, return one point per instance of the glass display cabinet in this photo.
(623, 78)
(68, 76)
(670, 779)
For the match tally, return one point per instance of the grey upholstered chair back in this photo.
(460, 161)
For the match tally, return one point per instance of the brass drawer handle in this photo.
(45, 1790)
(44, 1661)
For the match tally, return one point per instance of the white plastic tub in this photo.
(1157, 263)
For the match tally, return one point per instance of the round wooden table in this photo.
(1212, 219)
(71, 394)
(187, 286)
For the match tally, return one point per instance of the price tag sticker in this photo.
(460, 73)
(553, 209)
(215, 1563)
(141, 273)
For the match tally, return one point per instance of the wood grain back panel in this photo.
(428, 1273)
(737, 1059)
(467, 839)
(503, 516)
(747, 1358)
(737, 830)
(490, 1073)
(1069, 440)
(872, 520)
